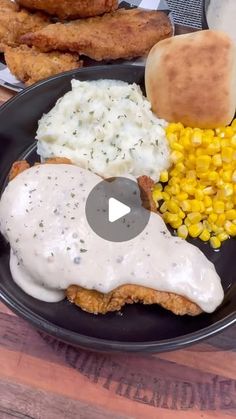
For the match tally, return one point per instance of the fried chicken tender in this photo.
(72, 9)
(15, 23)
(30, 65)
(98, 303)
(121, 34)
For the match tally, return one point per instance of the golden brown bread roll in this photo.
(192, 79)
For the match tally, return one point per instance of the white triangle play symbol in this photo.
(117, 210)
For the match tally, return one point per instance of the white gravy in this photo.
(221, 15)
(42, 215)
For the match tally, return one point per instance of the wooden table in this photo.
(42, 378)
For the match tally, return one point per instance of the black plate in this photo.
(138, 327)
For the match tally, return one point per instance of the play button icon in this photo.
(117, 210)
(114, 210)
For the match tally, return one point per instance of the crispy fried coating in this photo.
(15, 23)
(22, 165)
(98, 303)
(121, 34)
(30, 65)
(71, 9)
(146, 185)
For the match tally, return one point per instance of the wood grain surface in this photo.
(42, 378)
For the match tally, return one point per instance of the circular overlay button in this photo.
(114, 210)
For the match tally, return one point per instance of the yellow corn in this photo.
(194, 217)
(157, 195)
(230, 228)
(223, 236)
(182, 231)
(200, 192)
(164, 177)
(227, 154)
(219, 207)
(231, 214)
(215, 242)
(205, 235)
(195, 229)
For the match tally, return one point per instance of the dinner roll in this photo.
(192, 79)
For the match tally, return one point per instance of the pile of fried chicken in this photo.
(41, 38)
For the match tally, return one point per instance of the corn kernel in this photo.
(230, 228)
(187, 222)
(181, 214)
(157, 195)
(189, 189)
(227, 175)
(165, 196)
(186, 206)
(177, 146)
(182, 196)
(176, 156)
(173, 220)
(163, 208)
(158, 187)
(227, 154)
(230, 205)
(212, 218)
(219, 207)
(164, 177)
(220, 220)
(207, 201)
(175, 189)
(213, 176)
(228, 189)
(199, 195)
(215, 242)
(209, 190)
(195, 205)
(196, 138)
(182, 231)
(205, 235)
(217, 160)
(180, 167)
(223, 236)
(195, 229)
(231, 214)
(172, 207)
(203, 163)
(194, 217)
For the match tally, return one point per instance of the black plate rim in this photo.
(93, 343)
(107, 345)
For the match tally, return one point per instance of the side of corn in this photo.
(199, 195)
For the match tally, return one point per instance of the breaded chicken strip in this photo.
(99, 303)
(30, 65)
(121, 34)
(71, 9)
(14, 23)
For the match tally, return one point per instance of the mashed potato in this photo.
(106, 126)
